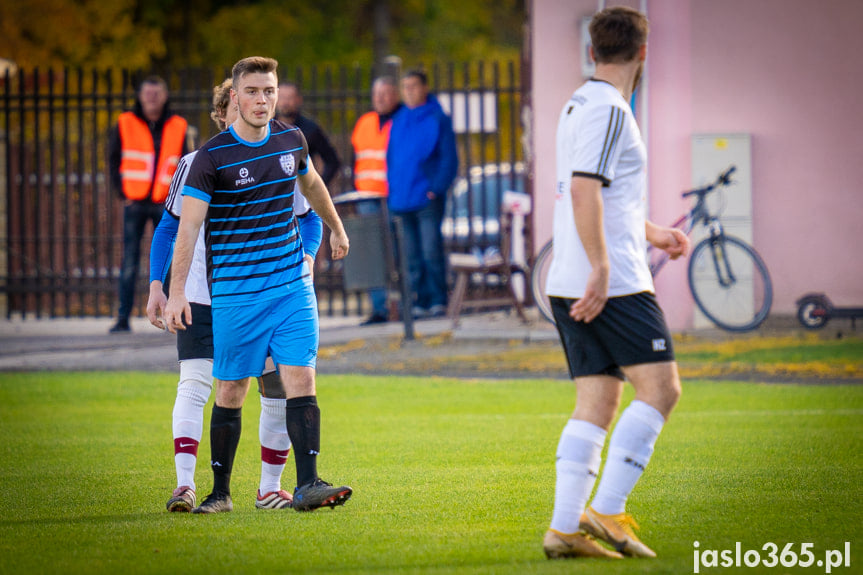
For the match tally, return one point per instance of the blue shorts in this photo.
(285, 327)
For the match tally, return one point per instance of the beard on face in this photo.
(637, 81)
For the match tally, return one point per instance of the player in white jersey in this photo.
(602, 297)
(195, 346)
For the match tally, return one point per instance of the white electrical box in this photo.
(712, 154)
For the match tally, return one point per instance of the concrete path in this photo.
(85, 344)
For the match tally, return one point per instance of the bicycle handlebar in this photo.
(724, 179)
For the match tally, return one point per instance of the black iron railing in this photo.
(61, 224)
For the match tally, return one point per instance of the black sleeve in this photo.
(353, 164)
(186, 149)
(605, 181)
(328, 154)
(306, 153)
(115, 154)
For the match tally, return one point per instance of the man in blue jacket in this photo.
(422, 163)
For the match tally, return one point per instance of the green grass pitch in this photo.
(449, 476)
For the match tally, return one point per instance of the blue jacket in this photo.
(421, 156)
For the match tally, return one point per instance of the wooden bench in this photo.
(464, 266)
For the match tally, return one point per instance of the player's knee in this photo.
(298, 381)
(196, 380)
(676, 391)
(672, 392)
(600, 414)
(663, 398)
(232, 393)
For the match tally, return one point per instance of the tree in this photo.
(52, 33)
(158, 33)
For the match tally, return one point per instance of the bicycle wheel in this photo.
(538, 275)
(730, 283)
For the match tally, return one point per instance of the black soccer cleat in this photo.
(318, 494)
(215, 503)
(122, 326)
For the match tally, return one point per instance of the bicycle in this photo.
(727, 278)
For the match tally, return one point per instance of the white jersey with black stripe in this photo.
(197, 290)
(597, 137)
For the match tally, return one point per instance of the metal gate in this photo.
(61, 224)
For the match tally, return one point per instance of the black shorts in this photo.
(196, 341)
(270, 385)
(630, 330)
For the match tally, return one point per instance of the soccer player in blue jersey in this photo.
(242, 184)
(195, 345)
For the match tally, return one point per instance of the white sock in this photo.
(628, 453)
(578, 458)
(193, 391)
(275, 444)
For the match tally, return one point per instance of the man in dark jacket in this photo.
(422, 163)
(289, 109)
(144, 149)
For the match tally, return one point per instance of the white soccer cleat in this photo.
(280, 499)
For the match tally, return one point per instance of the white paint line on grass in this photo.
(768, 412)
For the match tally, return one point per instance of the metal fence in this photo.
(61, 224)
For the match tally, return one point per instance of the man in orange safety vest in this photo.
(144, 149)
(369, 139)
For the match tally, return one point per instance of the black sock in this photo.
(303, 419)
(225, 428)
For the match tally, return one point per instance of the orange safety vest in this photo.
(370, 150)
(139, 152)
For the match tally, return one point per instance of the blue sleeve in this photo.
(448, 157)
(312, 232)
(163, 246)
(196, 193)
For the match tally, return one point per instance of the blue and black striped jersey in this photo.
(254, 249)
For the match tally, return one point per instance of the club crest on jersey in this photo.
(245, 178)
(287, 162)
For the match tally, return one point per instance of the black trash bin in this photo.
(371, 259)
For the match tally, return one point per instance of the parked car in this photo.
(472, 214)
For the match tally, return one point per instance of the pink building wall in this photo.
(784, 71)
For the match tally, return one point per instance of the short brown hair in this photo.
(154, 80)
(253, 65)
(418, 74)
(616, 34)
(221, 101)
